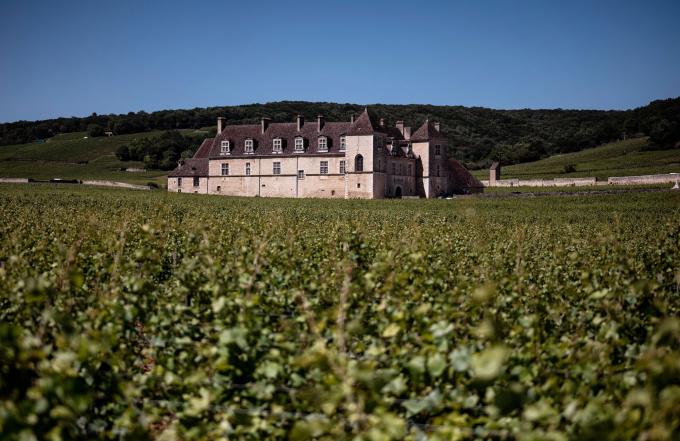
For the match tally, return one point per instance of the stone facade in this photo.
(357, 159)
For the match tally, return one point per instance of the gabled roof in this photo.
(191, 167)
(427, 132)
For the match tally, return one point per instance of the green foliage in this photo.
(661, 121)
(95, 130)
(75, 156)
(569, 168)
(123, 153)
(475, 134)
(134, 315)
(163, 151)
(636, 156)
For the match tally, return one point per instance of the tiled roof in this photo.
(191, 167)
(462, 178)
(364, 125)
(204, 150)
(263, 142)
(427, 132)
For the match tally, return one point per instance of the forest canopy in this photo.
(162, 151)
(476, 135)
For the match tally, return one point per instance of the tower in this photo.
(363, 143)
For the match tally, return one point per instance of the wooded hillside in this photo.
(476, 135)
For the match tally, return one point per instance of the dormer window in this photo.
(323, 144)
(225, 148)
(248, 148)
(299, 144)
(343, 143)
(277, 146)
(437, 150)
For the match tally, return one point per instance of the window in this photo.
(277, 146)
(394, 168)
(225, 169)
(343, 143)
(378, 141)
(219, 188)
(378, 169)
(342, 167)
(301, 174)
(249, 146)
(276, 168)
(437, 169)
(299, 144)
(410, 170)
(323, 167)
(197, 181)
(323, 144)
(225, 149)
(179, 182)
(247, 168)
(359, 163)
(437, 150)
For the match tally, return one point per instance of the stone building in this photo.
(494, 173)
(361, 158)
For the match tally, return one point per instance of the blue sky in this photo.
(78, 57)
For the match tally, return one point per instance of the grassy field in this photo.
(624, 158)
(143, 315)
(72, 156)
(574, 190)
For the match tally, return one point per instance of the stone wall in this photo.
(186, 185)
(580, 182)
(670, 178)
(116, 184)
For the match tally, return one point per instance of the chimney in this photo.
(407, 133)
(300, 122)
(351, 119)
(400, 126)
(319, 123)
(265, 123)
(220, 120)
(437, 126)
(382, 122)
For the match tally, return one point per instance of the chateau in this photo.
(361, 158)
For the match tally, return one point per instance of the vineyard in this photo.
(149, 315)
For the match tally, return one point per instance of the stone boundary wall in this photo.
(670, 178)
(87, 182)
(116, 184)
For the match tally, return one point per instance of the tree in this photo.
(123, 153)
(665, 133)
(95, 130)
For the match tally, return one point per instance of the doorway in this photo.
(397, 192)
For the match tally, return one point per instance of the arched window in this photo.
(359, 163)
